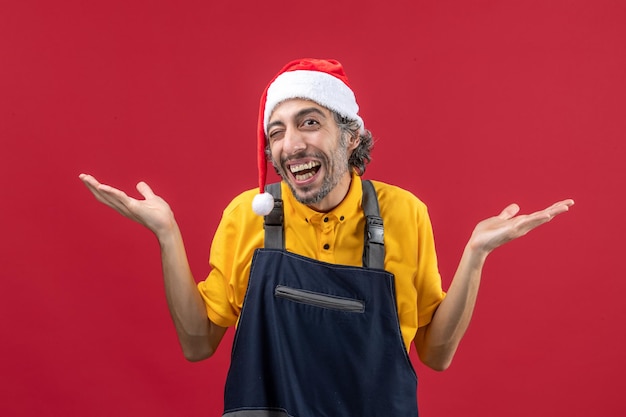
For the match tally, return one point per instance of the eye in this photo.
(275, 134)
(310, 123)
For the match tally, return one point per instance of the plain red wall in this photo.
(474, 104)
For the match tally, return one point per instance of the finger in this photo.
(118, 199)
(113, 198)
(113, 192)
(536, 219)
(562, 206)
(103, 193)
(92, 185)
(564, 203)
(88, 180)
(110, 196)
(509, 212)
(145, 190)
(95, 186)
(555, 209)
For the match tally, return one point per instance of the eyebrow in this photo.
(308, 110)
(302, 113)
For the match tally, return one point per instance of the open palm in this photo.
(498, 230)
(153, 212)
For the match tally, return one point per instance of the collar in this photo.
(349, 206)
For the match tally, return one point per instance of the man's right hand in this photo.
(198, 336)
(153, 212)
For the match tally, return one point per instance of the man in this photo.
(331, 292)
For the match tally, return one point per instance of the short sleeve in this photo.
(238, 235)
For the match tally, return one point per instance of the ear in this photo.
(353, 142)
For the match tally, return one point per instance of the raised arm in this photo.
(198, 336)
(437, 342)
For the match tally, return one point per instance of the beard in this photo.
(335, 167)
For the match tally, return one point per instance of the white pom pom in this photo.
(262, 204)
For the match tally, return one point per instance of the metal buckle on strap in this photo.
(273, 225)
(275, 218)
(273, 222)
(375, 230)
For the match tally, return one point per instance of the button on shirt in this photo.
(325, 226)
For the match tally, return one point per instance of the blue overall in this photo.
(316, 339)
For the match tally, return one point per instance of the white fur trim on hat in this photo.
(320, 87)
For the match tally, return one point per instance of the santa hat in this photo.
(320, 80)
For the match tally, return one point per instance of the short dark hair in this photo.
(360, 157)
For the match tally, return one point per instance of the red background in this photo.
(474, 104)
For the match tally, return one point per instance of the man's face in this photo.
(309, 153)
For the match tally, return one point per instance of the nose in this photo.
(293, 142)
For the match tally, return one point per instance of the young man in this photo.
(331, 292)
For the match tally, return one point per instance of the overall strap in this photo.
(274, 234)
(373, 245)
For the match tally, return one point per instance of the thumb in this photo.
(145, 190)
(509, 211)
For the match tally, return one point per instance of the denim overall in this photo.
(320, 340)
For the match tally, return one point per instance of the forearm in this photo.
(437, 342)
(197, 335)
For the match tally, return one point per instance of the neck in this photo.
(335, 197)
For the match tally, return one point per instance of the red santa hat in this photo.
(320, 80)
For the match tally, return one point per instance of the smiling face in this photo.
(310, 153)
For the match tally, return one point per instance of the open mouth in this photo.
(303, 172)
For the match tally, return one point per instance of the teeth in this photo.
(304, 176)
(302, 167)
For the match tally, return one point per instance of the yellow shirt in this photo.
(334, 237)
